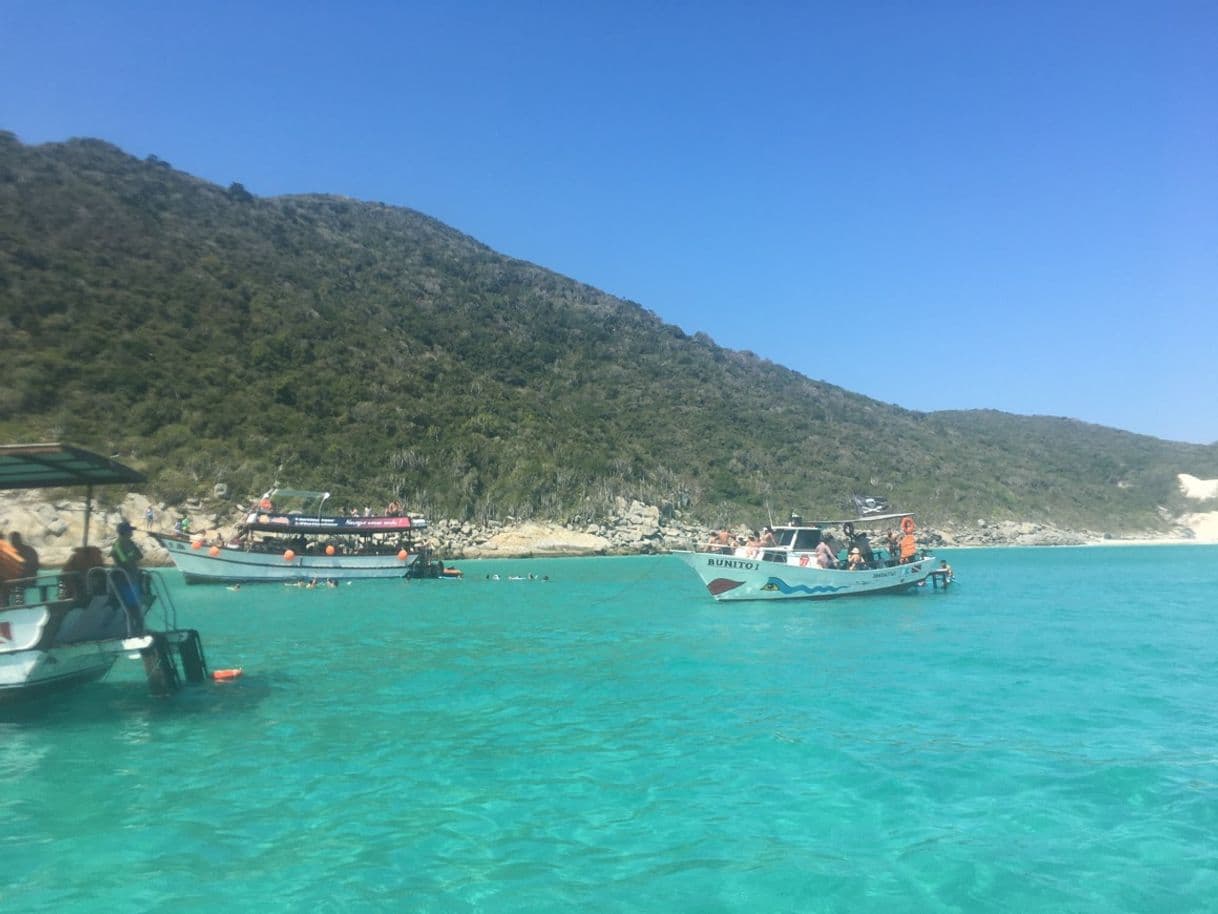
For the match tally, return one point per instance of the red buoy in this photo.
(226, 675)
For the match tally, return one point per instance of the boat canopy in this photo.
(798, 522)
(44, 466)
(41, 466)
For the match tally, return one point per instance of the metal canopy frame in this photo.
(45, 466)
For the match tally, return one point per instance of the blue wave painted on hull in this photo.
(781, 585)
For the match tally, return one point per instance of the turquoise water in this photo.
(1042, 737)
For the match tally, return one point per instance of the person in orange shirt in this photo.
(29, 555)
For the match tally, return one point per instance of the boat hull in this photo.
(31, 673)
(227, 564)
(730, 577)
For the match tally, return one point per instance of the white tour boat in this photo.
(68, 626)
(287, 538)
(794, 566)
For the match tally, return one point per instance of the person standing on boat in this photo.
(891, 545)
(824, 553)
(29, 555)
(860, 541)
(126, 555)
(752, 546)
(10, 569)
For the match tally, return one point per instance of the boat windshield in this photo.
(806, 539)
(799, 539)
(294, 501)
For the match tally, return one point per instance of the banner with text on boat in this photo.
(295, 523)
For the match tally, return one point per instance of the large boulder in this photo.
(537, 539)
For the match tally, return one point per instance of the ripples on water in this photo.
(1040, 738)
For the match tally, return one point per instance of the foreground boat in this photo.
(786, 567)
(288, 539)
(69, 627)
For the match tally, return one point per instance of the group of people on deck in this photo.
(858, 556)
(723, 542)
(900, 551)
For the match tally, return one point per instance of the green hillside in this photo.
(207, 336)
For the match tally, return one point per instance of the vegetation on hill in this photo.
(206, 335)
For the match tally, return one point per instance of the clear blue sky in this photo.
(941, 205)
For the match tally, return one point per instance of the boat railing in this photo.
(158, 592)
(44, 587)
(135, 597)
(64, 585)
(764, 553)
(786, 554)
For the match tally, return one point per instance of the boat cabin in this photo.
(796, 541)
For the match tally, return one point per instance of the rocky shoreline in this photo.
(55, 526)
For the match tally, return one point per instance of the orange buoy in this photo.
(288, 555)
(908, 525)
(213, 551)
(330, 550)
(226, 675)
(196, 544)
(403, 555)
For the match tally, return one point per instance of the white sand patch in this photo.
(1200, 489)
(1204, 526)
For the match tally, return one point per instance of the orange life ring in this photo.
(908, 525)
(226, 675)
(803, 561)
(266, 505)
